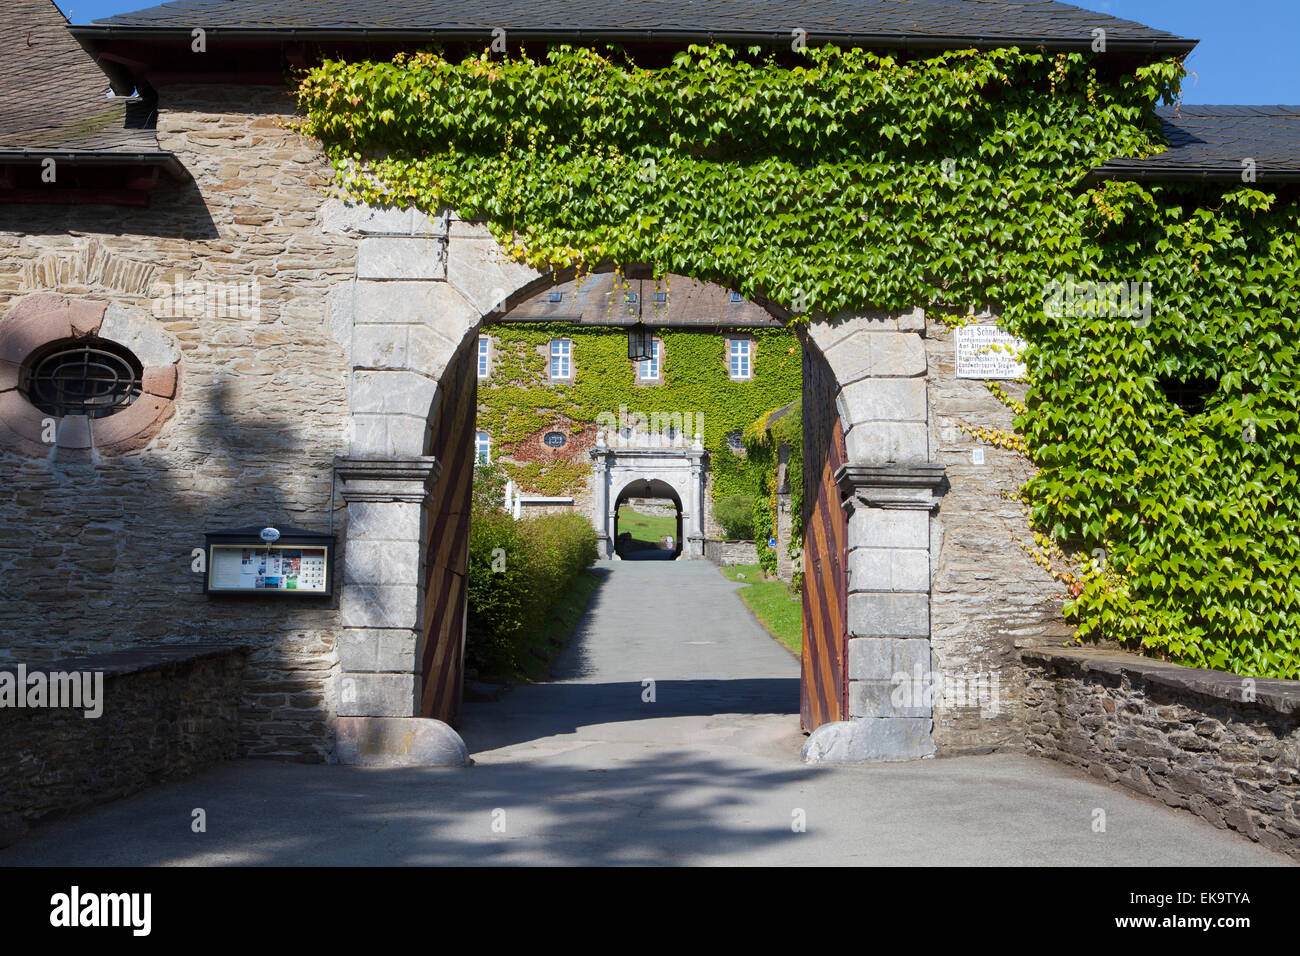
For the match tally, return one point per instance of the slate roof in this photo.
(54, 94)
(1211, 142)
(869, 22)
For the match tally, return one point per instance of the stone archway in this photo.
(654, 488)
(620, 465)
(422, 289)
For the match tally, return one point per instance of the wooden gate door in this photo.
(823, 685)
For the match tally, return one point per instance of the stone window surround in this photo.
(659, 377)
(550, 361)
(41, 319)
(753, 354)
(444, 278)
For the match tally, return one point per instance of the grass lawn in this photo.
(649, 528)
(777, 608)
(544, 646)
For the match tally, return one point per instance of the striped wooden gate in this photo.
(446, 547)
(823, 687)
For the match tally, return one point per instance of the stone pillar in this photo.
(891, 680)
(382, 611)
(889, 487)
(600, 504)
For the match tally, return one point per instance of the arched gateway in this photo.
(423, 288)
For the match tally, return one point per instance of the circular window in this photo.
(95, 379)
(555, 439)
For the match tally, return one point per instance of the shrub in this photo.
(518, 570)
(736, 515)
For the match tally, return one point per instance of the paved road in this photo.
(583, 770)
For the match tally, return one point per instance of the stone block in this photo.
(393, 392)
(433, 304)
(382, 562)
(883, 443)
(889, 528)
(160, 380)
(887, 698)
(10, 375)
(143, 336)
(380, 605)
(877, 354)
(378, 650)
(398, 742)
(882, 399)
(889, 615)
(480, 270)
(401, 258)
(384, 521)
(884, 658)
(74, 432)
(888, 569)
(378, 695)
(870, 739)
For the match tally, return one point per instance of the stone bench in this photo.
(164, 713)
(1224, 747)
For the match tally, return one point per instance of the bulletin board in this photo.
(291, 566)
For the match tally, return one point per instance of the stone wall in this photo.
(988, 597)
(166, 712)
(1217, 745)
(725, 552)
(97, 557)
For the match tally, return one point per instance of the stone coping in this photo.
(132, 661)
(1282, 696)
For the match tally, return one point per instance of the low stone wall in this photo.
(726, 552)
(1223, 747)
(165, 712)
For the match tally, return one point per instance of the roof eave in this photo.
(1182, 174)
(1162, 46)
(167, 162)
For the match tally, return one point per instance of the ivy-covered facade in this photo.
(556, 375)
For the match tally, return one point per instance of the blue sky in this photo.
(1247, 52)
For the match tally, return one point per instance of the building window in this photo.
(632, 298)
(740, 359)
(648, 371)
(484, 356)
(76, 378)
(736, 442)
(483, 447)
(561, 359)
(555, 439)
(661, 297)
(557, 297)
(736, 297)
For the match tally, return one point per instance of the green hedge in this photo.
(518, 570)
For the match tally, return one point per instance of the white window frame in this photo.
(482, 448)
(484, 356)
(644, 369)
(561, 356)
(740, 359)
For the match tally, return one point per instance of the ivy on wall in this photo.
(764, 439)
(518, 400)
(857, 180)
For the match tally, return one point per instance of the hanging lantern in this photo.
(640, 343)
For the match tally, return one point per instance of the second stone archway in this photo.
(618, 465)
